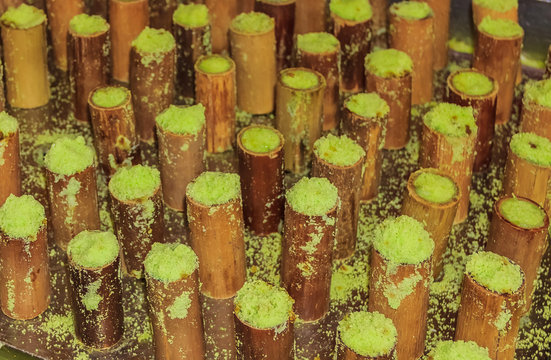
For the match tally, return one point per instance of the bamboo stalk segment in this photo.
(380, 17)
(495, 10)
(98, 7)
(536, 110)
(441, 9)
(60, 12)
(160, 13)
(311, 16)
(219, 322)
(245, 6)
(10, 162)
(222, 14)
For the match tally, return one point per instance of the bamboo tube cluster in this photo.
(60, 12)
(10, 162)
(536, 112)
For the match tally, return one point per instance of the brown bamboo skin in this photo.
(480, 12)
(160, 13)
(219, 325)
(346, 353)
(535, 118)
(98, 7)
(410, 318)
(60, 12)
(25, 278)
(441, 9)
(437, 218)
(10, 166)
(127, 19)
(311, 16)
(484, 111)
(274, 343)
(380, 16)
(222, 14)
(262, 176)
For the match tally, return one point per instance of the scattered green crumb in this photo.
(459, 350)
(215, 64)
(495, 272)
(338, 150)
(214, 188)
(388, 63)
(300, 79)
(93, 249)
(191, 15)
(352, 10)
(539, 92)
(497, 5)
(532, 148)
(91, 298)
(473, 83)
(252, 23)
(181, 120)
(180, 306)
(263, 257)
(395, 293)
(451, 120)
(84, 24)
(154, 41)
(135, 183)
(523, 213)
(8, 124)
(23, 17)
(22, 217)
(434, 187)
(170, 262)
(411, 10)
(500, 27)
(69, 156)
(369, 105)
(312, 196)
(110, 96)
(260, 139)
(368, 334)
(317, 42)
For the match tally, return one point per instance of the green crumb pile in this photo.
(353, 10)
(110, 96)
(260, 139)
(522, 213)
(435, 188)
(451, 120)
(21, 217)
(262, 305)
(495, 272)
(135, 183)
(459, 350)
(497, 5)
(403, 240)
(68, 156)
(182, 120)
(312, 196)
(91, 298)
(154, 41)
(531, 147)
(338, 150)
(500, 27)
(191, 15)
(539, 92)
(388, 63)
(252, 23)
(300, 79)
(215, 64)
(93, 249)
(317, 42)
(472, 83)
(214, 188)
(23, 17)
(368, 334)
(170, 262)
(84, 24)
(8, 124)
(180, 306)
(368, 105)
(411, 10)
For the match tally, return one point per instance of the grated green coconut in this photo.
(110, 96)
(338, 150)
(317, 42)
(23, 17)
(93, 249)
(170, 262)
(411, 10)
(388, 63)
(312, 196)
(500, 27)
(214, 188)
(368, 334)
(181, 120)
(252, 23)
(8, 124)
(522, 213)
(84, 24)
(368, 105)
(435, 188)
(497, 5)
(69, 156)
(539, 92)
(22, 217)
(451, 120)
(473, 83)
(495, 272)
(135, 183)
(300, 79)
(214, 64)
(352, 10)
(191, 15)
(459, 350)
(260, 139)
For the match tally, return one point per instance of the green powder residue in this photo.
(497, 5)
(503, 319)
(353, 10)
(338, 150)
(539, 92)
(181, 120)
(531, 147)
(317, 42)
(252, 23)
(522, 213)
(459, 350)
(84, 24)
(473, 83)
(180, 306)
(22, 217)
(136, 182)
(369, 105)
(451, 120)
(500, 27)
(435, 188)
(170, 262)
(411, 10)
(8, 124)
(93, 249)
(23, 17)
(69, 156)
(388, 63)
(262, 305)
(312, 196)
(191, 15)
(300, 79)
(215, 64)
(395, 293)
(154, 41)
(91, 298)
(110, 96)
(260, 139)
(214, 188)
(368, 334)
(494, 272)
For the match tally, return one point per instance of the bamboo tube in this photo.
(414, 35)
(181, 136)
(299, 109)
(308, 240)
(451, 149)
(5, 4)
(25, 59)
(72, 192)
(389, 74)
(137, 209)
(219, 322)
(253, 50)
(215, 88)
(24, 274)
(364, 120)
(399, 286)
(98, 7)
(88, 59)
(260, 153)
(490, 315)
(441, 9)
(536, 112)
(467, 349)
(160, 13)
(127, 19)
(321, 52)
(245, 6)
(94, 273)
(482, 10)
(60, 12)
(222, 14)
(215, 218)
(311, 16)
(173, 298)
(10, 162)
(380, 16)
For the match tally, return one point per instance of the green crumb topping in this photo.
(459, 350)
(300, 79)
(252, 23)
(23, 17)
(388, 63)
(21, 217)
(500, 27)
(539, 92)
(497, 5)
(317, 42)
(8, 124)
(340, 151)
(110, 96)
(154, 41)
(494, 272)
(451, 120)
(522, 213)
(170, 262)
(136, 182)
(531, 147)
(91, 298)
(262, 305)
(435, 188)
(472, 83)
(182, 120)
(215, 64)
(312, 196)
(180, 306)
(191, 15)
(368, 334)
(369, 105)
(353, 10)
(403, 240)
(68, 156)
(260, 139)
(411, 10)
(85, 24)
(93, 249)
(214, 188)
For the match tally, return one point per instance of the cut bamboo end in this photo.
(222, 14)
(60, 12)
(480, 12)
(10, 166)
(441, 9)
(311, 16)
(161, 11)
(219, 322)
(535, 118)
